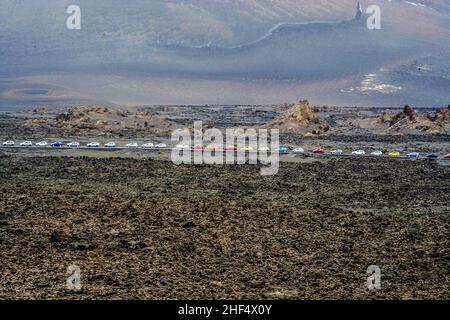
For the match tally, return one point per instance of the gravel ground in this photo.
(147, 229)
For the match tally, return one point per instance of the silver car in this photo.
(73, 144)
(337, 151)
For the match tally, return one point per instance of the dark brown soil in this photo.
(144, 229)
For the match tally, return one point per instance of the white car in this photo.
(93, 145)
(8, 143)
(264, 149)
(298, 150)
(161, 145)
(42, 144)
(26, 144)
(132, 145)
(148, 145)
(376, 153)
(73, 144)
(110, 145)
(182, 146)
(359, 152)
(338, 151)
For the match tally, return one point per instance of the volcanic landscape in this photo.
(140, 227)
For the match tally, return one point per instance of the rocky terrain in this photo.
(305, 120)
(140, 227)
(412, 121)
(408, 129)
(78, 121)
(103, 119)
(301, 119)
(144, 229)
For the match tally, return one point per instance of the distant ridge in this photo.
(281, 27)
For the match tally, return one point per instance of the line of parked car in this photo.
(230, 148)
(149, 145)
(380, 153)
(75, 144)
(317, 151)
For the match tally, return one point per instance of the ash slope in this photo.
(124, 46)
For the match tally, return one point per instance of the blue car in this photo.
(433, 156)
(57, 144)
(282, 150)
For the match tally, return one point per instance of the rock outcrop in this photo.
(101, 117)
(302, 119)
(105, 119)
(410, 120)
(441, 116)
(408, 114)
(359, 12)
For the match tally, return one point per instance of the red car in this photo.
(232, 148)
(318, 151)
(198, 148)
(447, 156)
